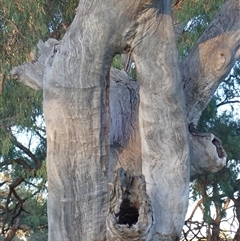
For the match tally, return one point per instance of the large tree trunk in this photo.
(163, 126)
(116, 172)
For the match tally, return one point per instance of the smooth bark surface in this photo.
(120, 152)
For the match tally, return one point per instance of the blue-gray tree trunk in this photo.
(120, 152)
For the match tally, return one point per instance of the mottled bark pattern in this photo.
(163, 124)
(211, 59)
(119, 152)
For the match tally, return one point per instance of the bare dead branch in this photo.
(2, 183)
(211, 59)
(228, 102)
(194, 210)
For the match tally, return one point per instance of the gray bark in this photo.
(163, 124)
(211, 59)
(120, 152)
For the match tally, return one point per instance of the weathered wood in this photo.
(162, 123)
(211, 59)
(102, 136)
(207, 154)
(32, 74)
(124, 134)
(130, 215)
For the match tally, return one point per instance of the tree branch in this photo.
(37, 162)
(12, 232)
(23, 163)
(31, 74)
(17, 182)
(194, 210)
(227, 102)
(211, 59)
(207, 153)
(2, 183)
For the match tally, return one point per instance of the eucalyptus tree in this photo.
(120, 153)
(22, 160)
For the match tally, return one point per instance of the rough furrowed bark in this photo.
(162, 124)
(75, 83)
(75, 105)
(103, 135)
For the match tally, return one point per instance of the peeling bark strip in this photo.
(119, 159)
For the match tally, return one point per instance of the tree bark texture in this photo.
(211, 59)
(120, 152)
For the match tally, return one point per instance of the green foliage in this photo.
(215, 188)
(225, 124)
(37, 221)
(194, 15)
(116, 63)
(23, 23)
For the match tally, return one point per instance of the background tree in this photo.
(215, 191)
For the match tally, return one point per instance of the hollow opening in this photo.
(128, 213)
(125, 62)
(221, 153)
